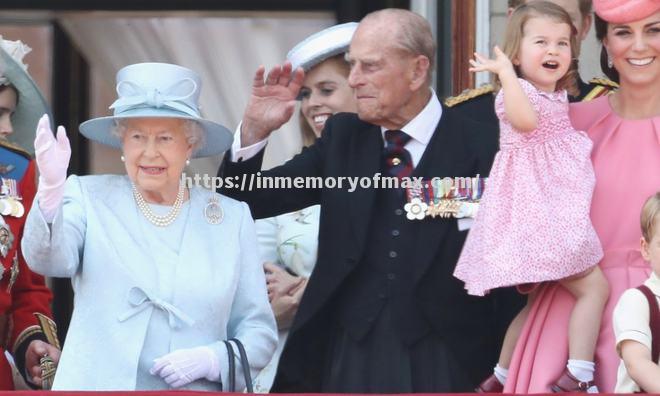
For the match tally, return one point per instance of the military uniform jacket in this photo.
(22, 292)
(351, 147)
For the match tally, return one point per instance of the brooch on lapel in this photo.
(444, 198)
(213, 211)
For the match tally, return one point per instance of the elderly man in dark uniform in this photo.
(479, 102)
(22, 292)
(382, 311)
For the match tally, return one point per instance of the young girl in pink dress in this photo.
(533, 225)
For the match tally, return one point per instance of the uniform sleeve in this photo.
(631, 319)
(251, 319)
(55, 249)
(29, 293)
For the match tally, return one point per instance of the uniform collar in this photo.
(422, 127)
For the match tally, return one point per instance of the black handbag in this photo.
(245, 365)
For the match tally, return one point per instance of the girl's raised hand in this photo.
(499, 65)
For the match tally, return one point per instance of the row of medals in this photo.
(10, 204)
(437, 199)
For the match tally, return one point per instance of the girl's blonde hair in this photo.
(650, 215)
(515, 33)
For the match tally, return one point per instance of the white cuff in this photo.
(239, 153)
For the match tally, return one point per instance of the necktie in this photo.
(398, 161)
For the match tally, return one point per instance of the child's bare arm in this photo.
(519, 110)
(639, 365)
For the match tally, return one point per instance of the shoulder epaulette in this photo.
(49, 328)
(469, 94)
(599, 87)
(604, 82)
(15, 148)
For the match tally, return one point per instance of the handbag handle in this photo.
(231, 381)
(245, 364)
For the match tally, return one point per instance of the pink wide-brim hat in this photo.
(625, 11)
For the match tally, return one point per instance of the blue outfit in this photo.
(141, 293)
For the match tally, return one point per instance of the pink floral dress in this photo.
(533, 223)
(626, 159)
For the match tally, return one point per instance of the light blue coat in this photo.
(98, 239)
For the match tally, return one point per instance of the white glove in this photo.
(184, 366)
(52, 160)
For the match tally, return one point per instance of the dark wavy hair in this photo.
(601, 31)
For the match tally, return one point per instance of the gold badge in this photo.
(48, 369)
(14, 272)
(48, 366)
(448, 208)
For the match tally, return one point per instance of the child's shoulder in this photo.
(632, 300)
(632, 294)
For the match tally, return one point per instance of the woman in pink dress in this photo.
(533, 222)
(625, 130)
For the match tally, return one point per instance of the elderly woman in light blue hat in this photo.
(288, 243)
(162, 273)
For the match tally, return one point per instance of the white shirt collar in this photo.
(422, 127)
(653, 283)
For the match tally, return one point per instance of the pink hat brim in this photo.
(625, 11)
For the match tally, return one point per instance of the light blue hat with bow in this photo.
(158, 90)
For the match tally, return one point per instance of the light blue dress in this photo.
(290, 240)
(139, 293)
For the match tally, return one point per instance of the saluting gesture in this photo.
(271, 103)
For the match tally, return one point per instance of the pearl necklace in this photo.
(160, 221)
